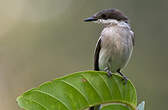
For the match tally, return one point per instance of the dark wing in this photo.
(96, 55)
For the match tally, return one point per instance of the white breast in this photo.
(116, 47)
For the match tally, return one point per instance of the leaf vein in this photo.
(36, 103)
(93, 88)
(56, 98)
(76, 90)
(117, 85)
(105, 83)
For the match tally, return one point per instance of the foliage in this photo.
(79, 91)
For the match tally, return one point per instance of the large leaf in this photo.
(79, 91)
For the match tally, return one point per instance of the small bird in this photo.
(115, 44)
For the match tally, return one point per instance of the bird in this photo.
(115, 44)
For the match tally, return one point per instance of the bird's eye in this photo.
(104, 16)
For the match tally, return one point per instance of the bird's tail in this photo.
(97, 107)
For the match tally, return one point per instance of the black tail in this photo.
(96, 67)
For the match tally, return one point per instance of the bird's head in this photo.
(107, 16)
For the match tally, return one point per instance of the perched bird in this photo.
(115, 45)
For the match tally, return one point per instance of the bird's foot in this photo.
(125, 80)
(109, 73)
(124, 77)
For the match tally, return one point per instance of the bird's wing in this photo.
(96, 55)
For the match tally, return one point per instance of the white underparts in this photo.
(116, 45)
(108, 21)
(112, 22)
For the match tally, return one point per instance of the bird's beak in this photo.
(90, 19)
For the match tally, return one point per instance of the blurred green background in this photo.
(44, 39)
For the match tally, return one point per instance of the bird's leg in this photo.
(124, 77)
(109, 73)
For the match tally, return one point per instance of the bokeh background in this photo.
(44, 39)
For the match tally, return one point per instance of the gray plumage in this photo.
(116, 42)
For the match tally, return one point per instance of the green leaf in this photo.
(141, 106)
(79, 91)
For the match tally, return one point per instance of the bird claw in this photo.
(109, 73)
(125, 80)
(124, 77)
